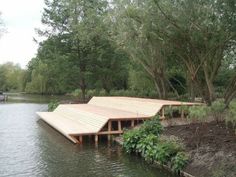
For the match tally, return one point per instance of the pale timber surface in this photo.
(90, 118)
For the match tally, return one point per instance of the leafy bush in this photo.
(179, 161)
(231, 117)
(166, 149)
(173, 111)
(102, 92)
(77, 93)
(198, 113)
(145, 144)
(92, 92)
(148, 142)
(169, 112)
(152, 126)
(131, 140)
(217, 109)
(53, 105)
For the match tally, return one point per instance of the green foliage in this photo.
(231, 117)
(198, 113)
(77, 93)
(179, 161)
(53, 105)
(167, 149)
(78, 52)
(11, 77)
(147, 142)
(140, 83)
(217, 109)
(173, 111)
(152, 126)
(39, 80)
(134, 49)
(131, 139)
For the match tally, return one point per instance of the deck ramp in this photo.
(90, 118)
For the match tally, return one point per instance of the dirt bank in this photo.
(212, 148)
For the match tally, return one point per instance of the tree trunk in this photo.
(210, 94)
(156, 82)
(163, 88)
(230, 92)
(160, 86)
(83, 86)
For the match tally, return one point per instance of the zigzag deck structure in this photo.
(105, 116)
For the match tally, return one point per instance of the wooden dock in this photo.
(104, 116)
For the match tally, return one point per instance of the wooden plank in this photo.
(119, 126)
(81, 139)
(96, 138)
(132, 123)
(89, 119)
(111, 132)
(163, 113)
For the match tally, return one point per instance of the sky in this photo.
(20, 18)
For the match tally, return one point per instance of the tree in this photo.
(138, 34)
(199, 35)
(11, 77)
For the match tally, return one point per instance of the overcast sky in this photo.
(20, 17)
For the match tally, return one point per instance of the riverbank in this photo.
(211, 147)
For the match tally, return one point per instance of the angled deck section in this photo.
(90, 118)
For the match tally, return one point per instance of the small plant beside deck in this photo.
(148, 142)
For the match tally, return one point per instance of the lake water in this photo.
(31, 148)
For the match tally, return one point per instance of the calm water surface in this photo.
(30, 148)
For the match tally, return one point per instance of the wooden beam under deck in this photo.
(111, 132)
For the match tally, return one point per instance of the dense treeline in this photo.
(170, 48)
(11, 77)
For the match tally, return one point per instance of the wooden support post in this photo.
(81, 139)
(163, 113)
(182, 113)
(109, 130)
(132, 123)
(119, 125)
(96, 139)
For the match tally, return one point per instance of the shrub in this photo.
(179, 161)
(131, 140)
(166, 149)
(173, 111)
(185, 110)
(92, 92)
(102, 92)
(53, 105)
(198, 113)
(152, 126)
(77, 93)
(146, 144)
(231, 116)
(217, 109)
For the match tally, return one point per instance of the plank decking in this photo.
(74, 120)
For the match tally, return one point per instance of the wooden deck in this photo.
(99, 115)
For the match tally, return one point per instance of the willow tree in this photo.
(137, 32)
(199, 34)
(230, 66)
